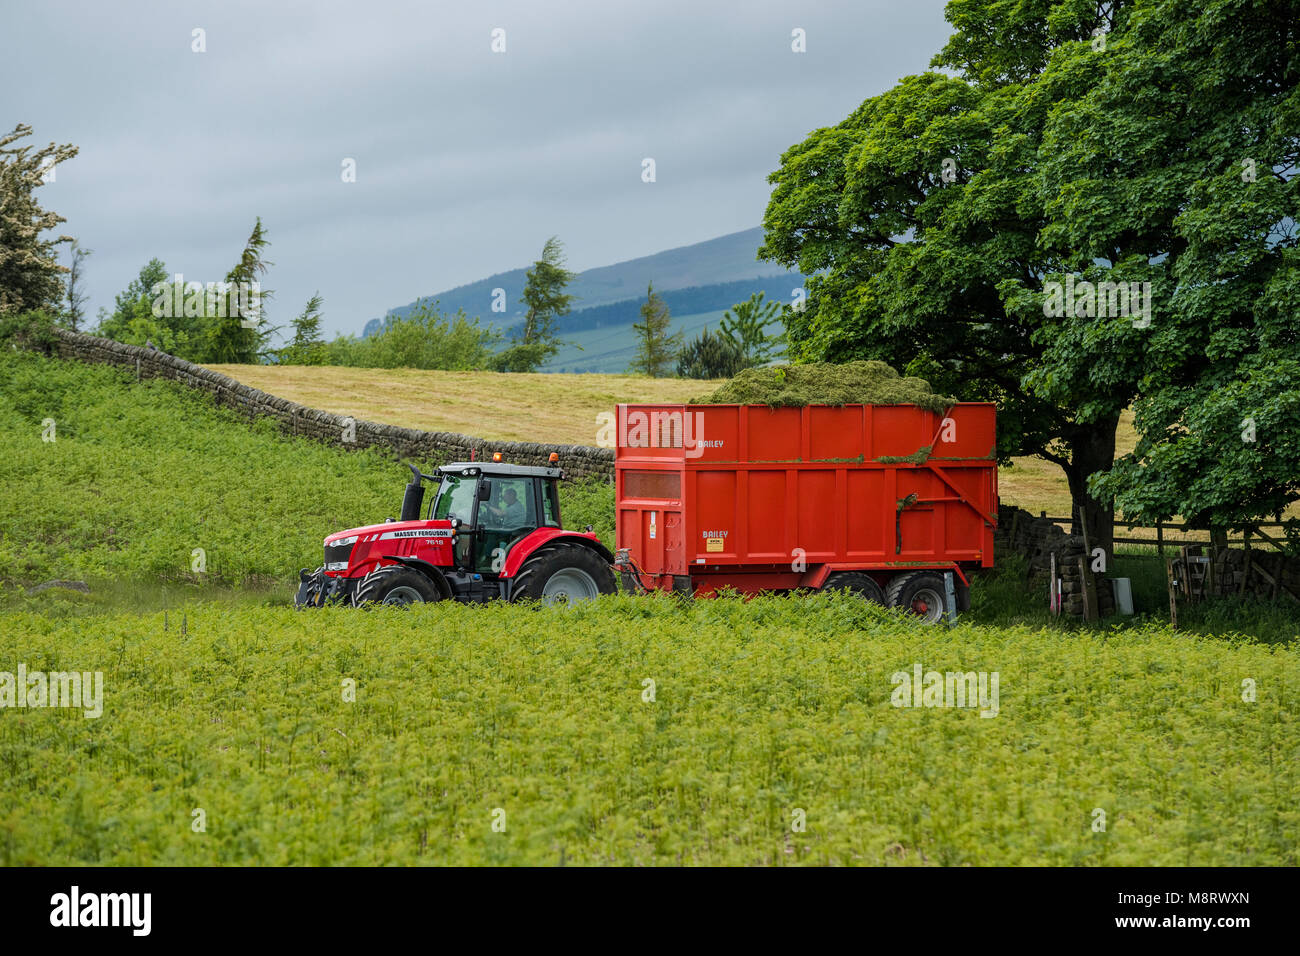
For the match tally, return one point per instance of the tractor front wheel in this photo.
(395, 584)
(311, 588)
(561, 574)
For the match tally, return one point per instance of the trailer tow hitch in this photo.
(627, 568)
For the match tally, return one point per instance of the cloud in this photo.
(466, 159)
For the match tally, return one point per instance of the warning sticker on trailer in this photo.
(714, 544)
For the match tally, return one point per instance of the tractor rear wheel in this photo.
(563, 573)
(864, 585)
(922, 593)
(395, 584)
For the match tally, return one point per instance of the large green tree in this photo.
(201, 322)
(1209, 95)
(134, 319)
(937, 216)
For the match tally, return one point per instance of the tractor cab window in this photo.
(455, 497)
(550, 505)
(509, 505)
(505, 515)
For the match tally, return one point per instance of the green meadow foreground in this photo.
(538, 721)
(523, 735)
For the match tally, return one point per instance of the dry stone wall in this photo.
(1256, 573)
(1039, 540)
(578, 461)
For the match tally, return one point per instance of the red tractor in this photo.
(493, 531)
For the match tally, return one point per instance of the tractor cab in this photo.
(494, 506)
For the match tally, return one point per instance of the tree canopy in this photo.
(201, 322)
(657, 347)
(961, 227)
(745, 325)
(710, 356)
(30, 275)
(546, 300)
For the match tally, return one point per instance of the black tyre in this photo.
(864, 585)
(395, 584)
(311, 588)
(562, 573)
(922, 593)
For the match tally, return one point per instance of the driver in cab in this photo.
(509, 513)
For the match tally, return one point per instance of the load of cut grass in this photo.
(852, 383)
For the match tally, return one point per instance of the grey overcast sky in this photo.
(466, 159)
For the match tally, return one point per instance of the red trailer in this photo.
(892, 501)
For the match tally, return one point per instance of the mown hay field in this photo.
(509, 406)
(512, 734)
(553, 408)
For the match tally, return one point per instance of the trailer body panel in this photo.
(762, 498)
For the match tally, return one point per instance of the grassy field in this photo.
(143, 480)
(552, 407)
(139, 477)
(541, 722)
(505, 405)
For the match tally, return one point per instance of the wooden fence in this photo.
(1251, 537)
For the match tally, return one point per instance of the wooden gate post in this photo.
(1089, 585)
(1245, 568)
(1173, 593)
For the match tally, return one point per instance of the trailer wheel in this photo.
(861, 584)
(921, 593)
(562, 573)
(395, 584)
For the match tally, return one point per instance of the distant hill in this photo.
(695, 281)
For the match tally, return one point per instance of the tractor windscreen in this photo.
(455, 497)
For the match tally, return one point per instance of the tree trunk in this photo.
(1092, 449)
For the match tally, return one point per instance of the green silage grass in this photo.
(539, 719)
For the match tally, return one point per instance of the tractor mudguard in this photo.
(432, 571)
(544, 536)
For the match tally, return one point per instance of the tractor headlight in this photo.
(339, 553)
